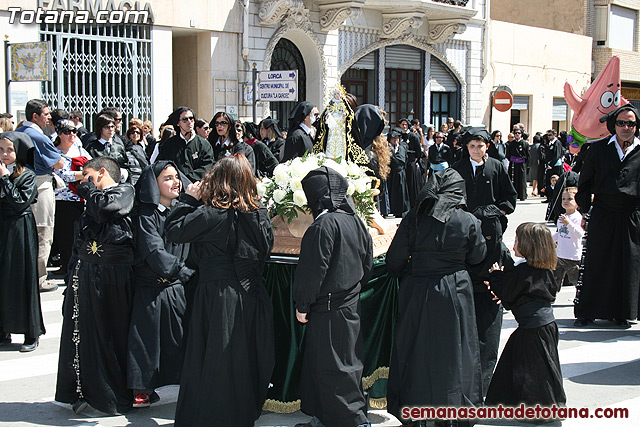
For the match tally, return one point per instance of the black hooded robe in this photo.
(397, 183)
(298, 141)
(491, 190)
(193, 159)
(518, 154)
(610, 283)
(414, 175)
(100, 290)
(20, 311)
(435, 358)
(230, 351)
(156, 330)
(336, 257)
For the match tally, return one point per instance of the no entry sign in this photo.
(502, 100)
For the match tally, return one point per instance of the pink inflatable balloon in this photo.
(600, 98)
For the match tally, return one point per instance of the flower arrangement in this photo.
(284, 197)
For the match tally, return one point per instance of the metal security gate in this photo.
(100, 66)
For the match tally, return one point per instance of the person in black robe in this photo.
(414, 155)
(397, 179)
(553, 161)
(271, 135)
(230, 351)
(190, 152)
(20, 311)
(529, 368)
(371, 124)
(609, 284)
(300, 137)
(435, 360)
(518, 154)
(440, 154)
(104, 142)
(156, 330)
(224, 139)
(498, 148)
(490, 196)
(92, 366)
(336, 257)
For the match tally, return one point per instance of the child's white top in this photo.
(569, 237)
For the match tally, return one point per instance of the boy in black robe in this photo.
(518, 154)
(92, 367)
(336, 257)
(609, 286)
(189, 151)
(490, 196)
(300, 138)
(397, 179)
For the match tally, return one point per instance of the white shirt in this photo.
(475, 164)
(306, 128)
(622, 154)
(193, 135)
(569, 237)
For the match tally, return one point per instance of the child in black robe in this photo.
(336, 257)
(230, 351)
(20, 311)
(92, 367)
(156, 331)
(529, 368)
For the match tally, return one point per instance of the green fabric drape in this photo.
(379, 308)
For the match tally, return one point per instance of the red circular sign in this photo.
(502, 100)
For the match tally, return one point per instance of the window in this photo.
(226, 97)
(622, 28)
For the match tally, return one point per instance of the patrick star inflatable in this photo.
(602, 97)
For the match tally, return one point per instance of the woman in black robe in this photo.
(518, 154)
(156, 331)
(20, 311)
(397, 178)
(336, 257)
(230, 350)
(435, 359)
(271, 135)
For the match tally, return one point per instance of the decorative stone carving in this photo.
(272, 11)
(440, 31)
(396, 24)
(331, 19)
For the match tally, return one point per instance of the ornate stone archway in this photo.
(420, 43)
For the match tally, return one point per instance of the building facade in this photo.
(416, 58)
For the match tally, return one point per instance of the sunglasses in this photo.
(135, 131)
(623, 123)
(187, 119)
(68, 131)
(221, 124)
(205, 127)
(118, 119)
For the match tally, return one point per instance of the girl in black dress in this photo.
(529, 368)
(230, 350)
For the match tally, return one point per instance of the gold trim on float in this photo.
(381, 373)
(279, 407)
(380, 403)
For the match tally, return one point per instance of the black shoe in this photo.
(30, 344)
(622, 322)
(5, 339)
(582, 322)
(79, 406)
(153, 397)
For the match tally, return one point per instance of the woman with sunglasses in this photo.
(103, 143)
(136, 156)
(224, 139)
(69, 206)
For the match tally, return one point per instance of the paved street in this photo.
(600, 364)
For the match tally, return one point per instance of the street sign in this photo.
(502, 100)
(279, 85)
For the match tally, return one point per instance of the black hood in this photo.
(147, 185)
(23, 145)
(442, 193)
(475, 133)
(327, 189)
(269, 122)
(370, 123)
(298, 113)
(174, 117)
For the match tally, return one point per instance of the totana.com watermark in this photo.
(18, 15)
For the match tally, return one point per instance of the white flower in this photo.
(299, 198)
(362, 184)
(338, 167)
(297, 168)
(262, 189)
(279, 195)
(281, 175)
(266, 181)
(353, 169)
(351, 189)
(296, 185)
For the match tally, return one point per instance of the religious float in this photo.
(284, 197)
